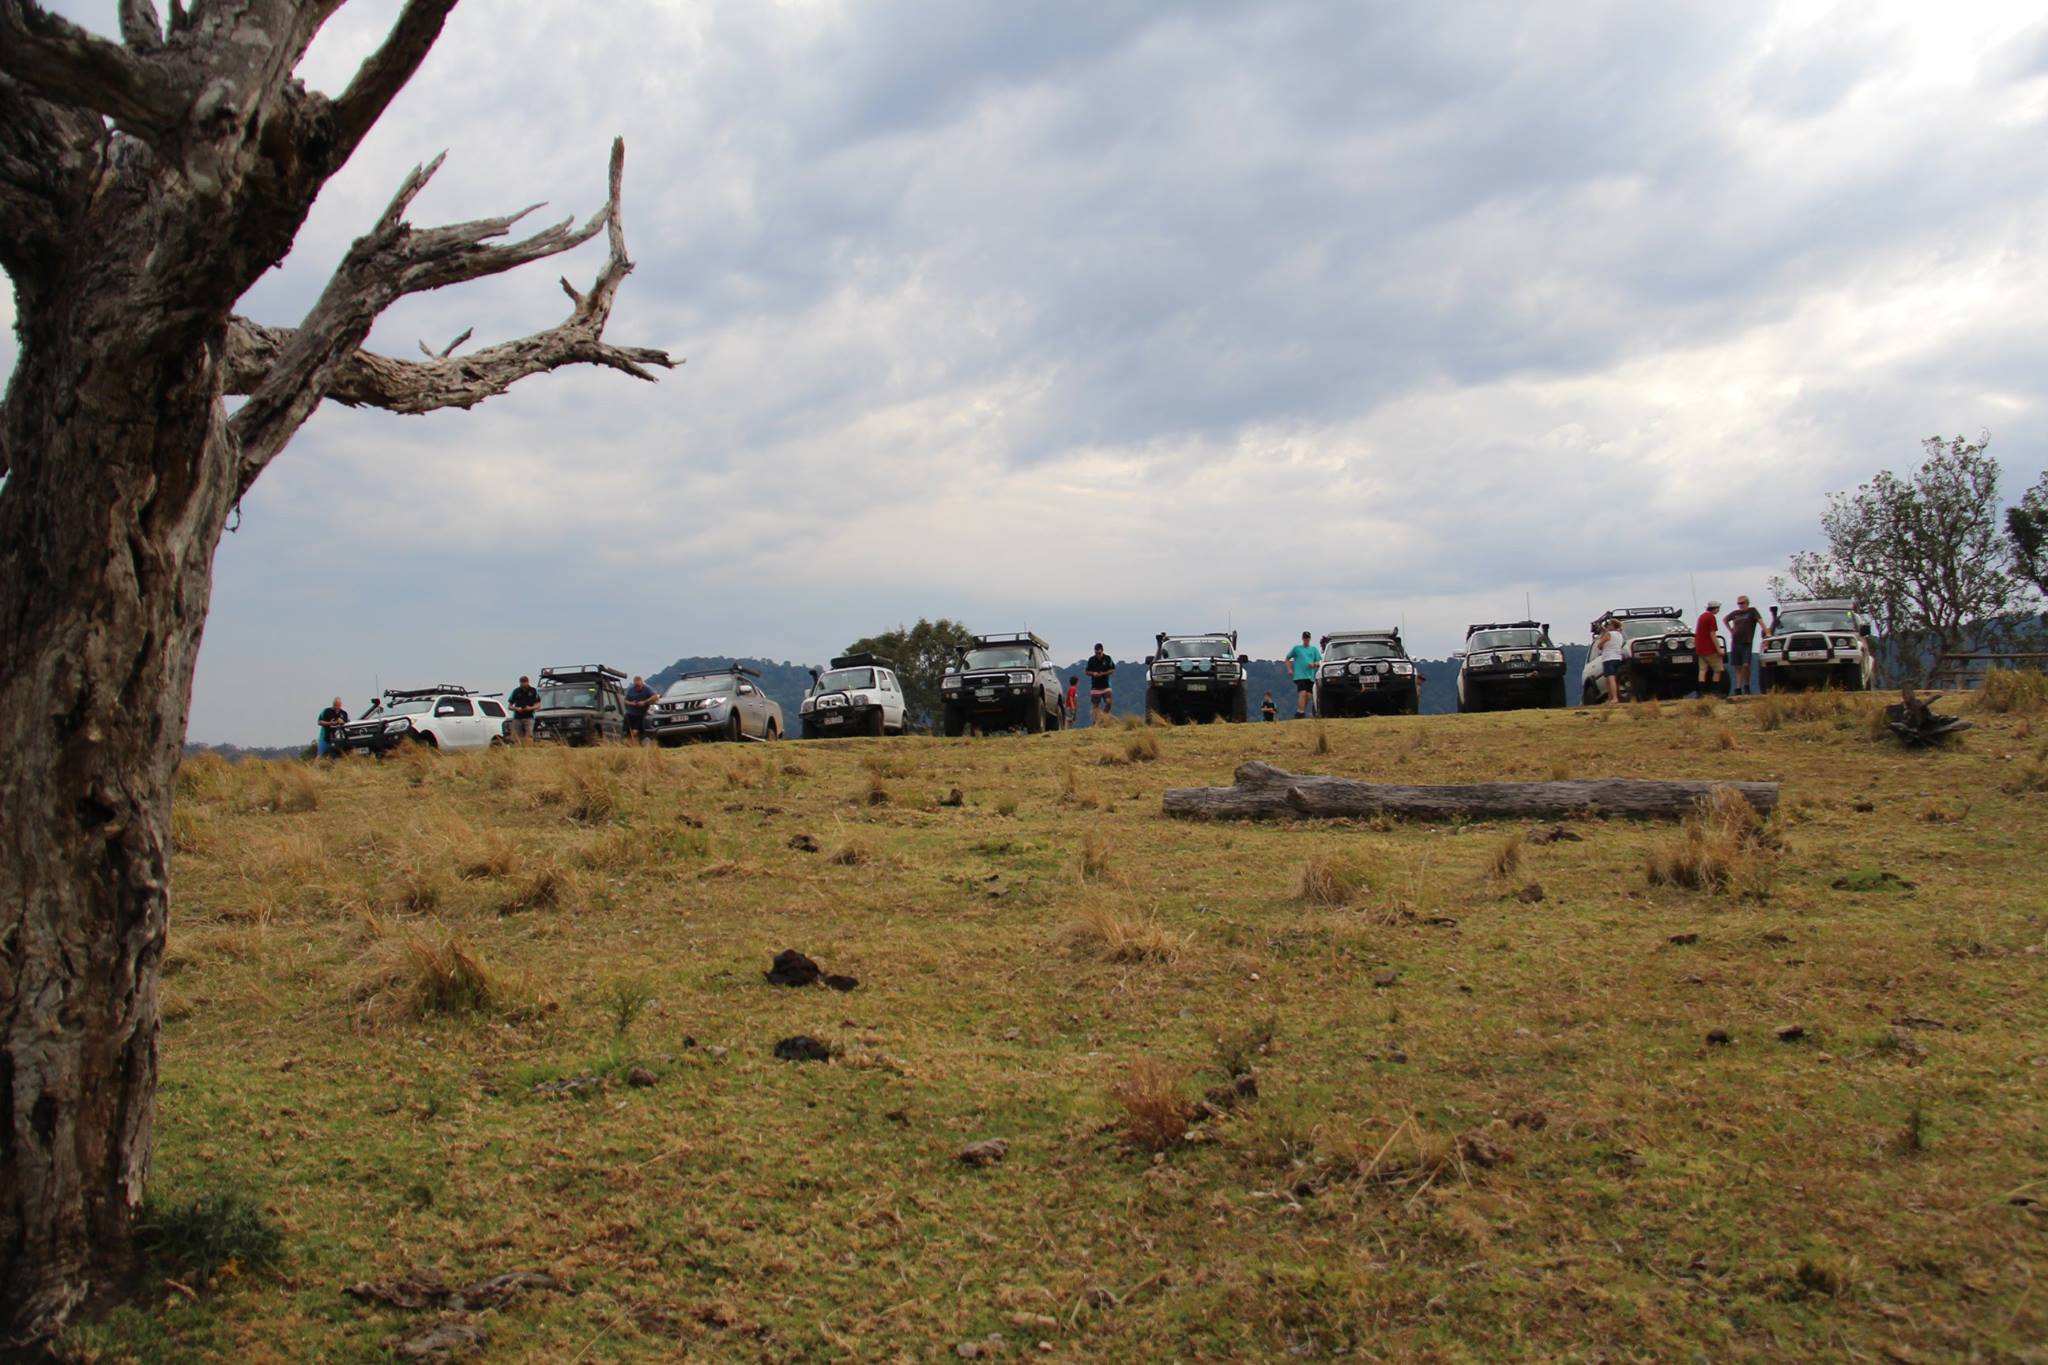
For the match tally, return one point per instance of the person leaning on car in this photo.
(638, 698)
(524, 701)
(332, 718)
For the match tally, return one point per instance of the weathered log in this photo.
(1266, 792)
(1912, 719)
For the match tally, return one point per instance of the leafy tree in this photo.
(923, 653)
(1922, 555)
(145, 185)
(2027, 527)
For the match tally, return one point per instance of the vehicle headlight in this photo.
(1404, 668)
(1162, 670)
(950, 683)
(1020, 678)
(833, 700)
(713, 703)
(1844, 642)
(1550, 656)
(392, 727)
(1226, 670)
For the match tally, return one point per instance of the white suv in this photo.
(859, 695)
(1818, 644)
(438, 717)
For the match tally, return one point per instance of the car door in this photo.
(492, 721)
(892, 700)
(455, 723)
(747, 700)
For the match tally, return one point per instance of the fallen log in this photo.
(1266, 792)
(1912, 719)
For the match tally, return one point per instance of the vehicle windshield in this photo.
(1636, 627)
(578, 696)
(845, 679)
(999, 656)
(419, 706)
(709, 686)
(1520, 638)
(1196, 647)
(1823, 618)
(1362, 649)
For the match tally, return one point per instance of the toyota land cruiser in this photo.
(1000, 683)
(1509, 665)
(1660, 661)
(1367, 672)
(1196, 677)
(581, 704)
(1823, 643)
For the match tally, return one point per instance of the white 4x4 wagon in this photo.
(438, 717)
(859, 695)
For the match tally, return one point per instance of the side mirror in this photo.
(1149, 658)
(1244, 658)
(816, 674)
(1866, 631)
(745, 690)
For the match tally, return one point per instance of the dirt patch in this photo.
(802, 1048)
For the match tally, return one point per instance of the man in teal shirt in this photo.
(1304, 657)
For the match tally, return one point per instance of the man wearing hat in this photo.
(1742, 626)
(1706, 647)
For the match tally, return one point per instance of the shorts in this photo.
(1711, 665)
(1304, 684)
(1610, 668)
(522, 727)
(636, 722)
(1098, 694)
(1738, 653)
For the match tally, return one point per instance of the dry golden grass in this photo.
(1095, 851)
(284, 788)
(421, 975)
(1507, 859)
(1724, 846)
(1143, 748)
(2014, 691)
(1331, 880)
(1156, 1109)
(1117, 936)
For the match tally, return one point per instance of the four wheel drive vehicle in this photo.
(859, 695)
(1510, 664)
(1002, 682)
(715, 703)
(1196, 677)
(1660, 662)
(438, 717)
(1367, 672)
(1824, 643)
(581, 704)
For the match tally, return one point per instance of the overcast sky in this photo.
(1112, 317)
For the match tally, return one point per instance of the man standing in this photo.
(1101, 668)
(332, 718)
(524, 701)
(1304, 657)
(1706, 647)
(638, 698)
(1742, 626)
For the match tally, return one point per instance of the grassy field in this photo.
(1515, 1097)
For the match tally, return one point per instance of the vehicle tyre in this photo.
(874, 724)
(1034, 718)
(1152, 704)
(810, 731)
(774, 731)
(1240, 704)
(1557, 699)
(1853, 681)
(953, 723)
(670, 741)
(735, 731)
(1056, 719)
(1411, 705)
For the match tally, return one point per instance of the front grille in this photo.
(1806, 642)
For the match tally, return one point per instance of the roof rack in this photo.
(1470, 631)
(1163, 636)
(863, 660)
(1012, 637)
(566, 671)
(1638, 614)
(1821, 604)
(415, 693)
(736, 668)
(1391, 633)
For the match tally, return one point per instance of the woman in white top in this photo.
(1611, 649)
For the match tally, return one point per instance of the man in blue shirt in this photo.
(638, 698)
(1304, 657)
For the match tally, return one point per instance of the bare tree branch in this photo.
(140, 27)
(286, 372)
(384, 73)
(448, 350)
(61, 62)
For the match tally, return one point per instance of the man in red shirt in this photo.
(1706, 647)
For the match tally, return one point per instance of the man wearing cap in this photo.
(1742, 626)
(1706, 647)
(524, 701)
(1303, 658)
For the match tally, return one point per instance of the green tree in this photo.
(2027, 527)
(922, 654)
(1922, 555)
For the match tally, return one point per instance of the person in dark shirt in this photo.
(524, 701)
(1101, 668)
(332, 718)
(638, 698)
(1268, 709)
(1742, 626)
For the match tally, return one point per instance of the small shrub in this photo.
(1104, 933)
(1322, 744)
(546, 886)
(492, 855)
(418, 885)
(1330, 881)
(1724, 738)
(2014, 691)
(1007, 806)
(624, 999)
(2031, 778)
(1070, 793)
(1238, 1049)
(1143, 748)
(281, 788)
(204, 777)
(213, 1232)
(1156, 1109)
(1723, 846)
(1139, 722)
(851, 856)
(592, 796)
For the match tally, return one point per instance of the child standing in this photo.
(1268, 709)
(1073, 700)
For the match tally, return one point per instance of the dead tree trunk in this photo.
(1263, 791)
(143, 187)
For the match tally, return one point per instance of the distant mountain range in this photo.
(785, 681)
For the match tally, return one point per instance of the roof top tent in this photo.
(863, 661)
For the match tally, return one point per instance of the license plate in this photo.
(1198, 687)
(1681, 658)
(835, 720)
(1368, 680)
(1526, 673)
(1807, 654)
(985, 693)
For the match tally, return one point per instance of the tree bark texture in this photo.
(1263, 791)
(144, 186)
